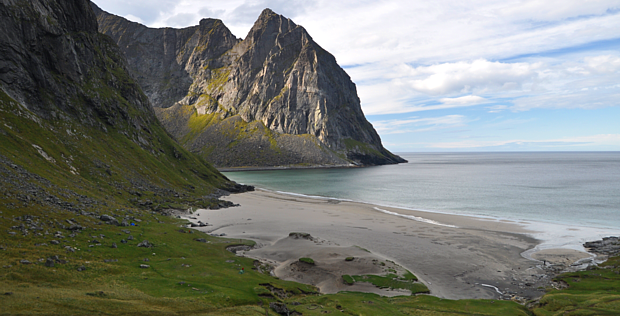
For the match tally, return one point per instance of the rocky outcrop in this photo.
(607, 246)
(276, 95)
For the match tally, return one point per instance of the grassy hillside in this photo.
(592, 292)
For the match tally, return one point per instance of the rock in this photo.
(109, 219)
(130, 237)
(114, 245)
(123, 241)
(236, 248)
(146, 260)
(24, 261)
(69, 249)
(75, 227)
(81, 268)
(301, 236)
(50, 262)
(146, 244)
(279, 308)
(144, 266)
(55, 242)
(200, 239)
(606, 246)
(277, 81)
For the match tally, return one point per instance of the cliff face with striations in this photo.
(74, 126)
(274, 98)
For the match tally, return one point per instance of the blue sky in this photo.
(479, 75)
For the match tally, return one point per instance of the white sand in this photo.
(457, 257)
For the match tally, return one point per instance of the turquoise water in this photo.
(572, 188)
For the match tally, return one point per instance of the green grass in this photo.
(348, 279)
(592, 292)
(390, 281)
(184, 275)
(307, 260)
(349, 259)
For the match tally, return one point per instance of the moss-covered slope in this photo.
(233, 142)
(73, 124)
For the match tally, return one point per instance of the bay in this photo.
(569, 188)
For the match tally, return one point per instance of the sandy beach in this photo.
(456, 257)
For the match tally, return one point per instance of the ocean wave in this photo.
(415, 218)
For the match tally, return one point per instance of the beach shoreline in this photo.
(291, 167)
(456, 257)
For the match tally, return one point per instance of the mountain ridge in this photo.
(76, 127)
(278, 78)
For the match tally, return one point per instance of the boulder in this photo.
(50, 262)
(279, 308)
(145, 244)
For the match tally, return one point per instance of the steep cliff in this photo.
(276, 96)
(76, 132)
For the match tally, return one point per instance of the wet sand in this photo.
(457, 257)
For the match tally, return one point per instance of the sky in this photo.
(447, 75)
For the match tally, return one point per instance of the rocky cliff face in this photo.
(73, 120)
(301, 106)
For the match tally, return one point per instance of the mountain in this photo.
(275, 98)
(77, 134)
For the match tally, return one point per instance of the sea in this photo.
(568, 197)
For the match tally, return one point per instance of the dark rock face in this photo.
(279, 308)
(71, 116)
(608, 246)
(49, 59)
(276, 96)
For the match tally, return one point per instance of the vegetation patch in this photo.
(219, 77)
(307, 260)
(390, 281)
(595, 291)
(348, 280)
(355, 145)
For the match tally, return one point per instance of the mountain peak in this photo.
(275, 98)
(267, 13)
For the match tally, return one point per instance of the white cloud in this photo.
(600, 97)
(551, 10)
(584, 141)
(603, 64)
(480, 75)
(134, 18)
(207, 12)
(464, 101)
(497, 108)
(417, 124)
(179, 20)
